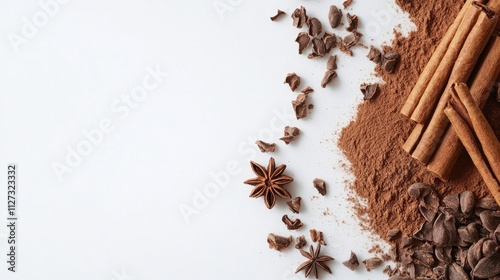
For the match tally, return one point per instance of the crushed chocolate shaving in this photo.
(294, 205)
(334, 16)
(317, 236)
(390, 61)
(372, 263)
(315, 27)
(291, 133)
(330, 41)
(310, 106)
(352, 39)
(332, 63)
(392, 234)
(352, 22)
(278, 242)
(318, 49)
(320, 185)
(328, 78)
(299, 17)
(368, 90)
(352, 263)
(347, 3)
(375, 55)
(300, 106)
(303, 41)
(307, 90)
(300, 242)
(278, 15)
(266, 147)
(291, 224)
(293, 80)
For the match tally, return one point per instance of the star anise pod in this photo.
(269, 182)
(314, 261)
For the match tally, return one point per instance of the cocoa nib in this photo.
(368, 90)
(392, 234)
(389, 61)
(300, 106)
(278, 14)
(330, 41)
(294, 205)
(303, 41)
(347, 3)
(307, 90)
(328, 77)
(317, 236)
(352, 263)
(320, 185)
(291, 133)
(334, 16)
(372, 263)
(375, 55)
(292, 80)
(266, 147)
(277, 242)
(352, 39)
(315, 27)
(300, 242)
(299, 17)
(352, 22)
(319, 48)
(429, 201)
(332, 63)
(291, 224)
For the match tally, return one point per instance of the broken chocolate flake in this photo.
(488, 203)
(444, 231)
(424, 258)
(310, 106)
(488, 267)
(303, 41)
(372, 263)
(317, 236)
(300, 242)
(294, 205)
(300, 106)
(278, 14)
(320, 185)
(490, 219)
(330, 41)
(334, 16)
(452, 201)
(429, 201)
(315, 27)
(375, 55)
(328, 77)
(319, 49)
(467, 202)
(352, 22)
(291, 224)
(332, 63)
(307, 90)
(347, 3)
(291, 133)
(455, 272)
(299, 17)
(390, 61)
(277, 242)
(352, 39)
(352, 263)
(266, 147)
(368, 90)
(393, 234)
(292, 80)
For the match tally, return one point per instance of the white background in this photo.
(117, 214)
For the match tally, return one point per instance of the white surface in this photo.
(117, 214)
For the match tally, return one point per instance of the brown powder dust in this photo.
(372, 142)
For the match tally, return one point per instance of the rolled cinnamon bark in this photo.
(488, 68)
(413, 139)
(467, 59)
(436, 59)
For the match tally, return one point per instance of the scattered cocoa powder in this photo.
(372, 142)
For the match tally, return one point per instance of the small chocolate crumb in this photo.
(277, 242)
(372, 263)
(317, 236)
(310, 106)
(320, 185)
(266, 147)
(294, 205)
(330, 41)
(291, 133)
(334, 16)
(278, 14)
(299, 17)
(352, 39)
(332, 63)
(307, 90)
(303, 41)
(352, 22)
(369, 90)
(352, 263)
(300, 106)
(347, 3)
(392, 234)
(375, 55)
(328, 77)
(390, 61)
(291, 224)
(315, 27)
(300, 242)
(292, 80)
(319, 49)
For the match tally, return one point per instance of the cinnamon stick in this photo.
(434, 88)
(467, 138)
(469, 55)
(450, 148)
(413, 139)
(436, 59)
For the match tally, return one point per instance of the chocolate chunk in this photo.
(467, 202)
(320, 185)
(294, 205)
(330, 41)
(368, 90)
(490, 219)
(375, 55)
(475, 253)
(443, 254)
(352, 22)
(424, 258)
(332, 63)
(488, 203)
(266, 147)
(328, 78)
(487, 267)
(319, 49)
(300, 106)
(300, 242)
(278, 14)
(292, 80)
(291, 133)
(299, 17)
(310, 106)
(372, 263)
(489, 248)
(455, 272)
(393, 253)
(347, 3)
(307, 90)
(303, 41)
(425, 232)
(334, 16)
(452, 201)
(352, 39)
(277, 242)
(390, 61)
(469, 233)
(315, 27)
(291, 224)
(317, 236)
(429, 201)
(343, 47)
(392, 234)
(352, 263)
(444, 232)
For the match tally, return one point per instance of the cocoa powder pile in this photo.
(372, 142)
